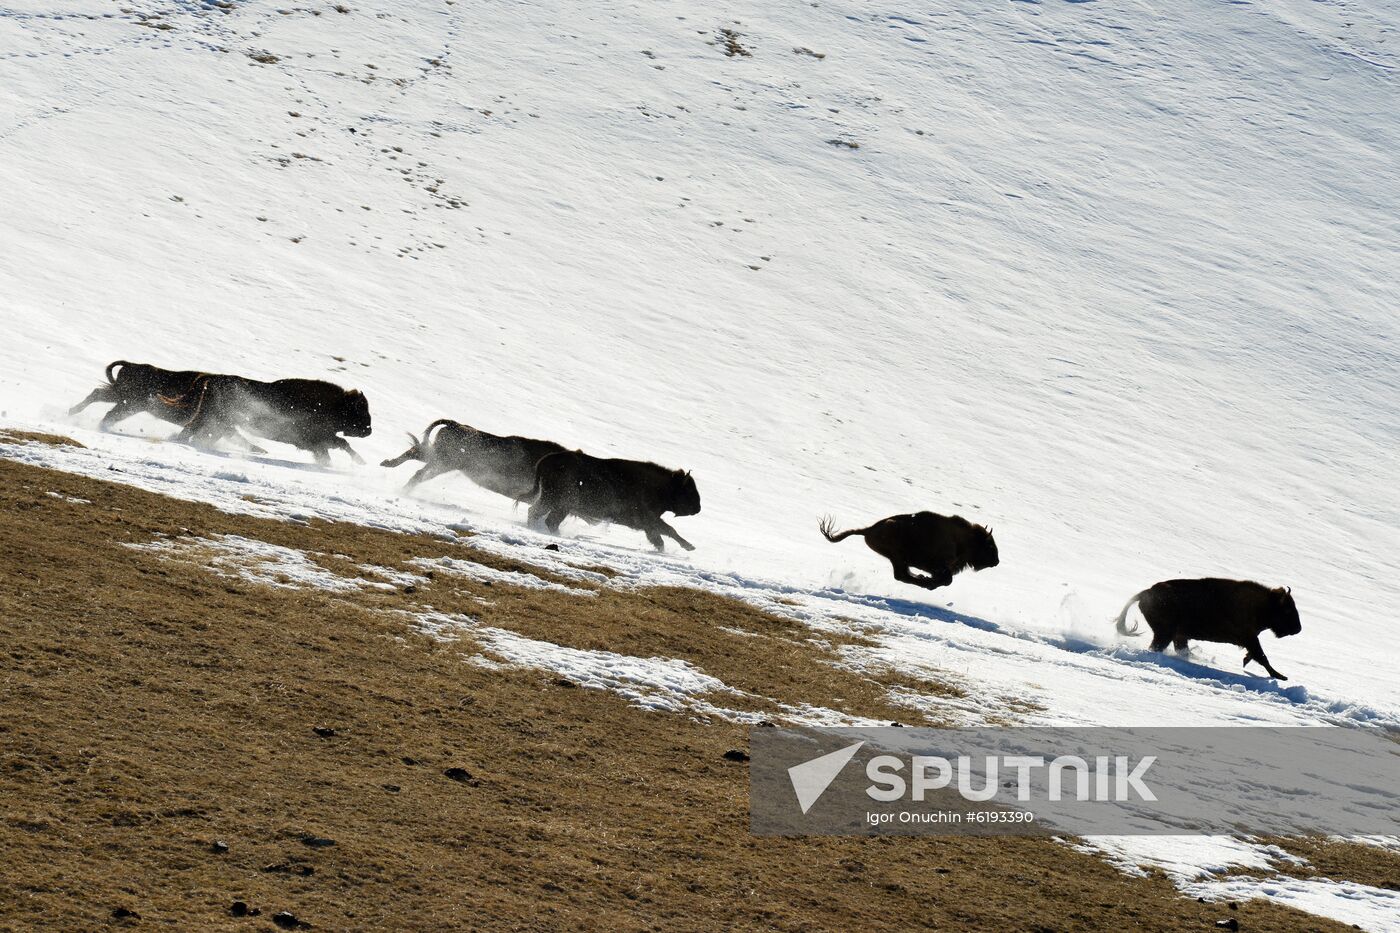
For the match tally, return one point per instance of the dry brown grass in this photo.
(149, 709)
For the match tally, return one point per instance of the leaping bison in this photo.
(307, 413)
(939, 545)
(1229, 611)
(626, 492)
(504, 465)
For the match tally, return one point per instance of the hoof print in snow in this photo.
(736, 754)
(849, 144)
(264, 58)
(461, 776)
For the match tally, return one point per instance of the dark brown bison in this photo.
(939, 545)
(306, 413)
(504, 465)
(1229, 611)
(137, 388)
(626, 492)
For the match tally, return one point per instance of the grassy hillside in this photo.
(184, 737)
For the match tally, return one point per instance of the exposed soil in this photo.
(180, 749)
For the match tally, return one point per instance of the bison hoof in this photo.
(688, 547)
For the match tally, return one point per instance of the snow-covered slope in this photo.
(1118, 280)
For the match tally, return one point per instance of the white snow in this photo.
(260, 562)
(1367, 907)
(1118, 280)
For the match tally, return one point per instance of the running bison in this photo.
(133, 388)
(1229, 611)
(939, 545)
(306, 413)
(137, 388)
(504, 465)
(626, 492)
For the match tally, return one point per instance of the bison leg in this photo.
(100, 394)
(120, 411)
(1253, 651)
(340, 443)
(661, 527)
(537, 513)
(425, 473)
(554, 519)
(903, 574)
(207, 426)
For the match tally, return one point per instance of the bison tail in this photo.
(534, 492)
(829, 532)
(433, 427)
(113, 365)
(1122, 621)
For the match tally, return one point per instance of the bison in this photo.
(627, 492)
(504, 465)
(135, 388)
(306, 413)
(1229, 611)
(939, 545)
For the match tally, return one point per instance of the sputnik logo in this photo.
(811, 778)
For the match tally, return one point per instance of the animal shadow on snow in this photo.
(301, 465)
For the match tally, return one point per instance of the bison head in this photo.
(984, 548)
(354, 415)
(1284, 613)
(683, 498)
